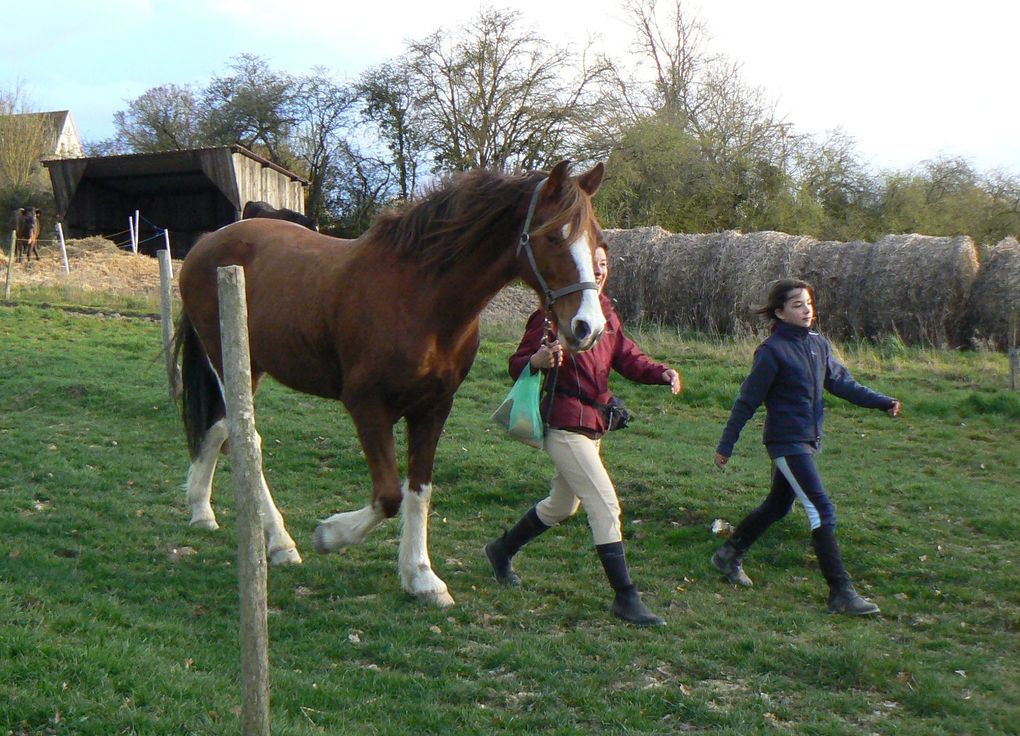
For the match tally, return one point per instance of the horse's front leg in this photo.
(416, 574)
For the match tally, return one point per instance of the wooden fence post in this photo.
(166, 318)
(1014, 367)
(246, 460)
(10, 264)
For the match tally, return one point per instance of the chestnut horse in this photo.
(388, 325)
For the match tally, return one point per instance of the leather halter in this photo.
(525, 244)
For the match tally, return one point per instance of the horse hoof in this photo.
(287, 556)
(320, 544)
(437, 598)
(209, 524)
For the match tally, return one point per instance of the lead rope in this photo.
(550, 378)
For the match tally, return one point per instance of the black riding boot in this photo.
(500, 551)
(842, 596)
(727, 558)
(627, 604)
(727, 561)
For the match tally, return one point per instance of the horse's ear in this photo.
(554, 186)
(592, 180)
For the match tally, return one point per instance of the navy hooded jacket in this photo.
(791, 368)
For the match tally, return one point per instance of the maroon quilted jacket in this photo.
(588, 373)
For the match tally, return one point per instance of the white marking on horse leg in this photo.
(280, 547)
(416, 575)
(343, 530)
(590, 310)
(200, 477)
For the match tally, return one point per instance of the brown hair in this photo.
(779, 293)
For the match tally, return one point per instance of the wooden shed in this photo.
(187, 192)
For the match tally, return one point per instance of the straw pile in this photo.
(912, 286)
(94, 264)
(993, 311)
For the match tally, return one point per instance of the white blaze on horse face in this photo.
(590, 310)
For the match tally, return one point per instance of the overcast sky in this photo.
(907, 79)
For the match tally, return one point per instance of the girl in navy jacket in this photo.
(791, 369)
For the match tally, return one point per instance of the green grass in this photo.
(117, 618)
(88, 300)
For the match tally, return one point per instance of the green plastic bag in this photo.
(519, 414)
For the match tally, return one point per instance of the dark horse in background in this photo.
(264, 209)
(27, 226)
(388, 325)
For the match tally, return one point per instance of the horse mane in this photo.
(467, 209)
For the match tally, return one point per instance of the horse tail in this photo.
(202, 402)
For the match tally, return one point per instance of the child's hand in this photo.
(720, 460)
(672, 377)
(894, 410)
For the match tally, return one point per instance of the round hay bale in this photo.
(512, 305)
(709, 283)
(912, 286)
(993, 310)
(632, 264)
(748, 266)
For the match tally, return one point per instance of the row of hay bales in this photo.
(925, 290)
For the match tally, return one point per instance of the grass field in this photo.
(117, 618)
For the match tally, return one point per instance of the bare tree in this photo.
(390, 95)
(163, 118)
(364, 186)
(323, 110)
(255, 107)
(495, 95)
(673, 43)
(23, 137)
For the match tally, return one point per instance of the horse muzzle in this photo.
(581, 336)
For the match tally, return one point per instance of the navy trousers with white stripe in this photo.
(794, 477)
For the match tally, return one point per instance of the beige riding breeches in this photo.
(580, 480)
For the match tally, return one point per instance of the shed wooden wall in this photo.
(257, 182)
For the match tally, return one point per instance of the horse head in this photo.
(557, 250)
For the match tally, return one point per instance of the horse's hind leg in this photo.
(280, 547)
(200, 477)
